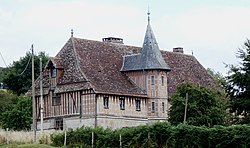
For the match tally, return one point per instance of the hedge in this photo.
(158, 135)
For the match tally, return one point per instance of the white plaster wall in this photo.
(71, 122)
(119, 122)
(76, 122)
(46, 124)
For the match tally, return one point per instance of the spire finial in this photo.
(148, 14)
(72, 32)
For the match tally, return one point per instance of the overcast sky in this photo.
(212, 29)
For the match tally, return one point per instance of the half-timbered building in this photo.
(109, 84)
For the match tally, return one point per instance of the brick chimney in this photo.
(178, 49)
(113, 40)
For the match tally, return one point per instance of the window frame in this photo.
(152, 106)
(162, 80)
(53, 72)
(152, 82)
(163, 107)
(138, 104)
(59, 124)
(122, 103)
(106, 102)
(56, 99)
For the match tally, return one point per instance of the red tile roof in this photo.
(94, 64)
(101, 62)
(185, 68)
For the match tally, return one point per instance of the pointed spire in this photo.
(148, 15)
(150, 57)
(72, 32)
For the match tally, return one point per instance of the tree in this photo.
(205, 106)
(7, 98)
(238, 86)
(219, 79)
(17, 77)
(18, 116)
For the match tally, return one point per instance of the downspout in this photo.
(96, 97)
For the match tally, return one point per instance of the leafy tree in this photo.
(238, 86)
(6, 100)
(219, 79)
(205, 106)
(17, 77)
(2, 75)
(18, 116)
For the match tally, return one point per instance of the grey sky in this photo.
(212, 29)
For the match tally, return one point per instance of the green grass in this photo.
(26, 146)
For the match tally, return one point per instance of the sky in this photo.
(213, 30)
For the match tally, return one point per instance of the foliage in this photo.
(7, 98)
(161, 134)
(18, 116)
(20, 82)
(1, 73)
(205, 106)
(219, 79)
(238, 86)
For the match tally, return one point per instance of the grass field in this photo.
(26, 146)
(24, 137)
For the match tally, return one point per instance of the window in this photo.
(58, 124)
(163, 107)
(53, 72)
(106, 102)
(56, 99)
(162, 80)
(152, 80)
(153, 107)
(122, 103)
(138, 105)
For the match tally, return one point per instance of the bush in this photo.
(158, 135)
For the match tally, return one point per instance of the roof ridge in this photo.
(77, 61)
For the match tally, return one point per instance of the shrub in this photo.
(158, 135)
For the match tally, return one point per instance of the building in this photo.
(109, 84)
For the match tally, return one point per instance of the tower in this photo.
(148, 70)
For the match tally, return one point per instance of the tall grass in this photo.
(24, 137)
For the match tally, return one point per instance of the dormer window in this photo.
(55, 66)
(53, 72)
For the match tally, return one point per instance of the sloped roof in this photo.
(101, 63)
(94, 64)
(150, 57)
(56, 62)
(185, 68)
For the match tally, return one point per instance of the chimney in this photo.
(113, 40)
(178, 49)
